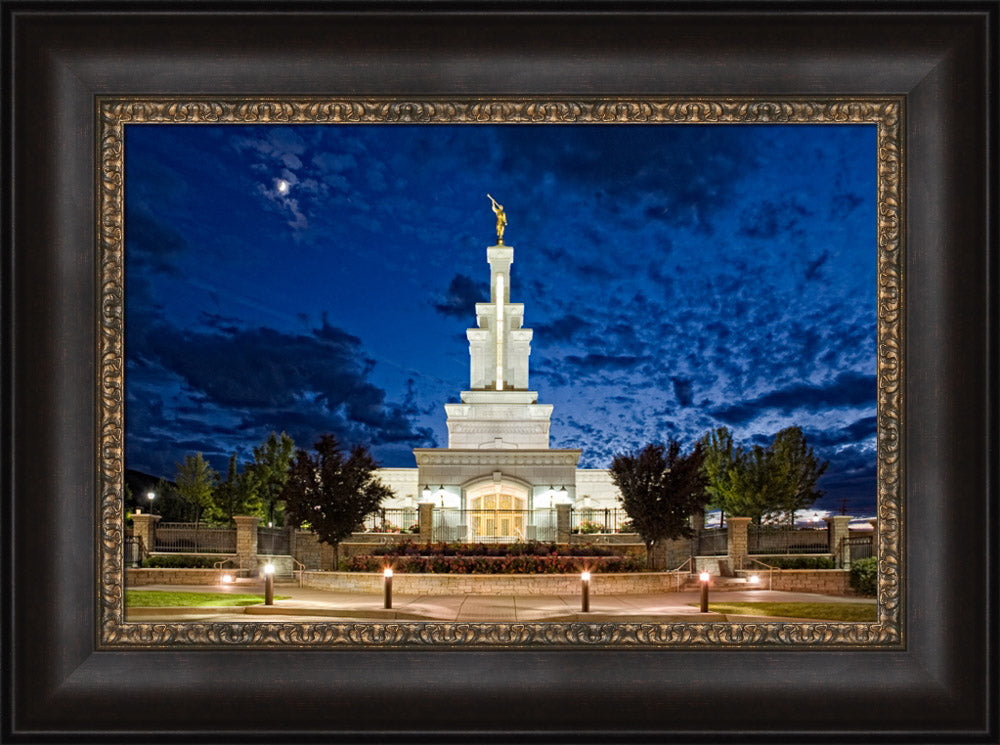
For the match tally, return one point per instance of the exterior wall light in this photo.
(227, 579)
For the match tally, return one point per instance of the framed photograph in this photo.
(287, 139)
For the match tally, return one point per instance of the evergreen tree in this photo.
(796, 470)
(660, 489)
(234, 495)
(331, 492)
(195, 480)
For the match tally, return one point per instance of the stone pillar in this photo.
(874, 523)
(246, 541)
(425, 519)
(837, 530)
(144, 527)
(563, 526)
(697, 525)
(737, 541)
(291, 541)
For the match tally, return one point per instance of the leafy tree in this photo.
(759, 482)
(331, 492)
(795, 470)
(660, 489)
(269, 471)
(195, 480)
(234, 495)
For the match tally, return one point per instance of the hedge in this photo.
(180, 561)
(522, 564)
(798, 562)
(864, 576)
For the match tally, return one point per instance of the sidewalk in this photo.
(307, 604)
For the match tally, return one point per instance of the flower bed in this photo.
(515, 564)
(530, 548)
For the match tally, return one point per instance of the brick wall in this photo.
(139, 577)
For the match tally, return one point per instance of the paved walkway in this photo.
(307, 604)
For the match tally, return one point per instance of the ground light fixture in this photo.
(269, 584)
(227, 579)
(387, 586)
(754, 579)
(585, 592)
(704, 577)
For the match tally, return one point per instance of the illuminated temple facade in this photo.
(498, 479)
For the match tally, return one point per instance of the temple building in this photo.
(498, 479)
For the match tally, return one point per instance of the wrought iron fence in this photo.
(771, 539)
(859, 547)
(713, 542)
(494, 526)
(272, 541)
(390, 520)
(195, 538)
(135, 550)
(600, 520)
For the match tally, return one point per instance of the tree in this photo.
(796, 470)
(269, 471)
(760, 482)
(195, 480)
(331, 492)
(660, 489)
(234, 495)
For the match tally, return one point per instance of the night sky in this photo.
(320, 279)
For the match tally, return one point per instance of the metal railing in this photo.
(768, 539)
(713, 542)
(770, 569)
(135, 550)
(272, 541)
(195, 538)
(390, 520)
(494, 526)
(858, 547)
(599, 520)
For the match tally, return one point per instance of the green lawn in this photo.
(163, 599)
(822, 611)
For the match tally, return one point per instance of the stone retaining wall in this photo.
(139, 577)
(825, 581)
(492, 584)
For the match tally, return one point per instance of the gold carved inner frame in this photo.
(115, 114)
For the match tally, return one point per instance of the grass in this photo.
(822, 611)
(164, 599)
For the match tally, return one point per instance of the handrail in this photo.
(301, 568)
(676, 571)
(770, 570)
(218, 564)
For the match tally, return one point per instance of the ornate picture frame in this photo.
(67, 678)
(886, 114)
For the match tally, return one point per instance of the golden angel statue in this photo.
(501, 219)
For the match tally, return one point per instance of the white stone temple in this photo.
(498, 479)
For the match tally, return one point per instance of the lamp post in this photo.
(704, 577)
(269, 584)
(387, 586)
(585, 592)
(150, 496)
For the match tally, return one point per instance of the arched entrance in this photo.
(497, 512)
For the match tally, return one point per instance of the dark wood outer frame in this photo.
(57, 59)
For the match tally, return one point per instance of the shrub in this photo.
(518, 564)
(799, 562)
(864, 576)
(587, 527)
(180, 562)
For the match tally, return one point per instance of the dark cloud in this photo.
(604, 362)
(461, 297)
(561, 329)
(847, 389)
(683, 390)
(768, 219)
(812, 269)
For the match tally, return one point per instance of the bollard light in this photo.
(705, 577)
(387, 584)
(269, 584)
(585, 592)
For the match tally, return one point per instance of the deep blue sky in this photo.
(678, 277)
